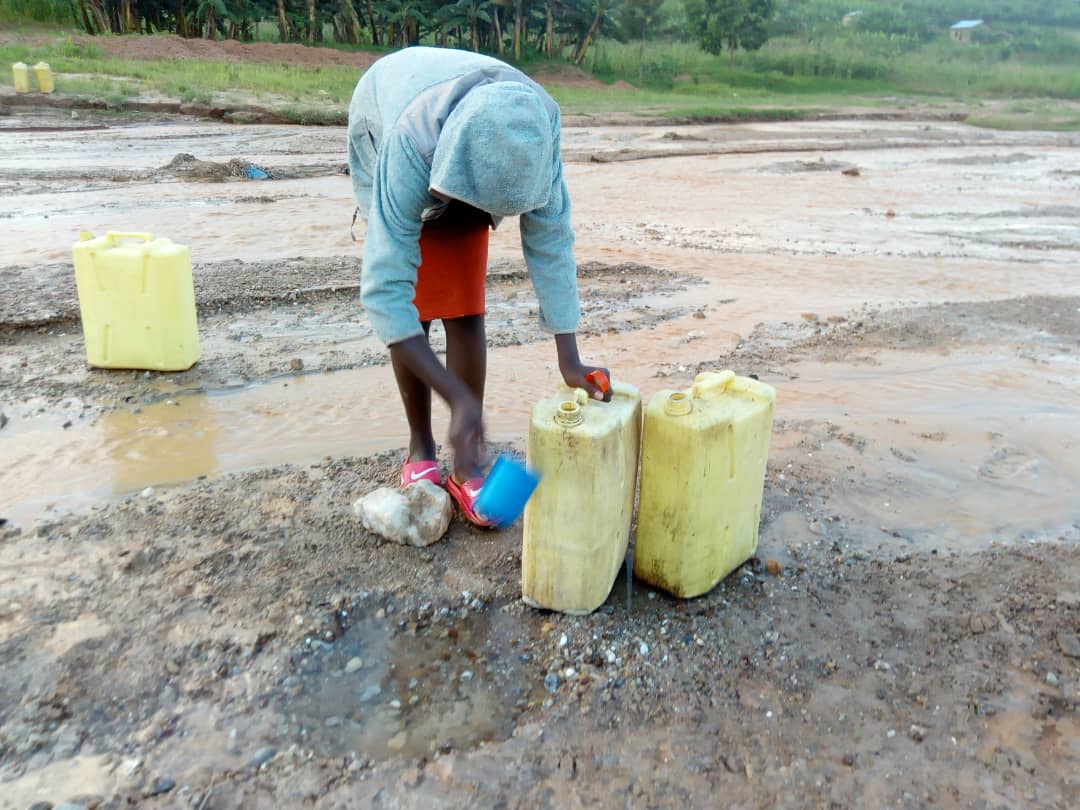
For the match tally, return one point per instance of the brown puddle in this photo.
(945, 450)
(451, 685)
(935, 450)
(298, 419)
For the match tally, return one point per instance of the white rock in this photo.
(418, 515)
(354, 665)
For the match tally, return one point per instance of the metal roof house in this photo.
(961, 31)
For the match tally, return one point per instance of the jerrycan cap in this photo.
(678, 404)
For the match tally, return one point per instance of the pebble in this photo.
(644, 648)
(1052, 678)
(354, 665)
(891, 733)
(296, 364)
(569, 673)
(70, 806)
(563, 641)
(41, 806)
(467, 675)
(551, 682)
(163, 784)
(917, 733)
(261, 757)
(148, 492)
(333, 722)
(1069, 644)
(773, 567)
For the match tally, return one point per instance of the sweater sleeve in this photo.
(547, 241)
(392, 242)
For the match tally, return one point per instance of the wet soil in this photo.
(190, 615)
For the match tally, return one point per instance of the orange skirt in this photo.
(453, 265)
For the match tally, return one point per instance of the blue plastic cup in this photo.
(506, 490)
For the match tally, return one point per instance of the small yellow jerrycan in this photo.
(44, 75)
(20, 76)
(137, 302)
(577, 523)
(703, 454)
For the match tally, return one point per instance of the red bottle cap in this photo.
(600, 380)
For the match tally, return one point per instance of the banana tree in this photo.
(602, 12)
(210, 12)
(466, 14)
(407, 16)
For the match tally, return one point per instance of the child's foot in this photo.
(414, 471)
(465, 495)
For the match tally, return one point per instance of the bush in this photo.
(57, 12)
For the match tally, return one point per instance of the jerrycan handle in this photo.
(710, 383)
(141, 236)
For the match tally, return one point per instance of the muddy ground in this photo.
(190, 616)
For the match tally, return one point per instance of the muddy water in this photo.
(938, 212)
(947, 451)
(942, 450)
(452, 686)
(298, 419)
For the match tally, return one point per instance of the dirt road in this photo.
(191, 617)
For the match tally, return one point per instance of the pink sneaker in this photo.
(415, 471)
(465, 496)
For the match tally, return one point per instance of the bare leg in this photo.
(466, 359)
(416, 397)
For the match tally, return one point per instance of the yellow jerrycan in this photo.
(44, 75)
(137, 302)
(702, 478)
(20, 77)
(577, 523)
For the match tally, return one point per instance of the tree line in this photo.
(505, 27)
(552, 28)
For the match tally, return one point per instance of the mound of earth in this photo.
(166, 46)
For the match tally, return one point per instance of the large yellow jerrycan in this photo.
(44, 75)
(137, 302)
(577, 523)
(702, 477)
(20, 77)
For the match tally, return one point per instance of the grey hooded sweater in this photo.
(427, 125)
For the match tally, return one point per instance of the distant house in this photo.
(851, 17)
(963, 30)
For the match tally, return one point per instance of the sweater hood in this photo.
(495, 151)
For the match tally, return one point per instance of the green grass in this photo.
(56, 12)
(173, 77)
(786, 80)
(860, 63)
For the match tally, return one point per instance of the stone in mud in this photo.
(261, 757)
(296, 364)
(418, 515)
(1069, 643)
(162, 784)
